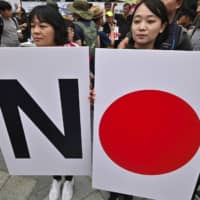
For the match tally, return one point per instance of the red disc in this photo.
(150, 132)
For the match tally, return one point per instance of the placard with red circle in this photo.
(146, 123)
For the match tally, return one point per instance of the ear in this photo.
(179, 3)
(163, 26)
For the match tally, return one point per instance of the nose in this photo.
(142, 25)
(35, 29)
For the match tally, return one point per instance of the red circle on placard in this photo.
(150, 132)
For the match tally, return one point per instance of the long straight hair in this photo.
(157, 8)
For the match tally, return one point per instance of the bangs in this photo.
(43, 15)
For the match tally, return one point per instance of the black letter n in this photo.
(13, 95)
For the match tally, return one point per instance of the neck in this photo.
(171, 17)
(145, 46)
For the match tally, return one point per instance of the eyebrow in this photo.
(148, 16)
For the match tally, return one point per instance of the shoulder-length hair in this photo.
(50, 15)
(157, 8)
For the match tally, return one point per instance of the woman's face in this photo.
(70, 32)
(146, 26)
(43, 33)
(18, 13)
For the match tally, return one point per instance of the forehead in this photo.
(126, 6)
(143, 10)
(107, 6)
(171, 1)
(35, 19)
(38, 19)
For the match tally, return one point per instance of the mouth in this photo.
(140, 35)
(37, 39)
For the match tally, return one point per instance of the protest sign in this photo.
(146, 125)
(45, 111)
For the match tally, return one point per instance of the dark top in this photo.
(78, 31)
(104, 39)
(177, 39)
(124, 24)
(106, 28)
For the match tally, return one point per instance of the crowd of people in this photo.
(148, 24)
(105, 28)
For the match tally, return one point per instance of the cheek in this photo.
(72, 34)
(51, 34)
(133, 30)
(32, 31)
(158, 28)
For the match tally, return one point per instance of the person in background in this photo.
(85, 30)
(110, 27)
(185, 18)
(82, 18)
(53, 3)
(70, 34)
(48, 29)
(8, 26)
(108, 6)
(123, 22)
(178, 38)
(103, 40)
(195, 33)
(22, 19)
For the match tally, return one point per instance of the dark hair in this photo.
(157, 8)
(23, 17)
(127, 4)
(107, 3)
(186, 12)
(68, 24)
(50, 15)
(22, 9)
(4, 5)
(90, 5)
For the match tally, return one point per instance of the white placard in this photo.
(37, 85)
(121, 72)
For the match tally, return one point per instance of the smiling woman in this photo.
(149, 25)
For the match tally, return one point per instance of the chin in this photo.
(39, 44)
